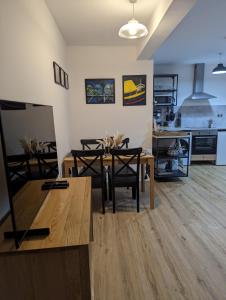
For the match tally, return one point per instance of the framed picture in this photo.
(100, 91)
(66, 81)
(62, 81)
(134, 90)
(56, 69)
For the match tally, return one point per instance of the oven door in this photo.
(204, 144)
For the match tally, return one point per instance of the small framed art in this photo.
(62, 80)
(56, 69)
(134, 90)
(100, 91)
(66, 81)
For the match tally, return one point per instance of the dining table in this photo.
(68, 164)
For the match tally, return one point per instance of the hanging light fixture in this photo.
(220, 68)
(133, 29)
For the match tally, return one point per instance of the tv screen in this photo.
(28, 158)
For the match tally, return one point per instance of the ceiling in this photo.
(199, 37)
(97, 22)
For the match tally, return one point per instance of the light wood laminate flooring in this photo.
(177, 251)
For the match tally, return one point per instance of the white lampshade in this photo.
(133, 30)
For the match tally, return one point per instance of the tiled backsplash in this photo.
(199, 115)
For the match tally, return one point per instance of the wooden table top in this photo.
(170, 134)
(66, 212)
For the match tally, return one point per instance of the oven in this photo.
(204, 143)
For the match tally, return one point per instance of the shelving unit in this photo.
(171, 155)
(165, 85)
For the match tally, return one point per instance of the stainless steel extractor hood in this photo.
(198, 93)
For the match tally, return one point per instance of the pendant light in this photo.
(133, 29)
(220, 68)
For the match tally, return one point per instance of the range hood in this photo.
(198, 93)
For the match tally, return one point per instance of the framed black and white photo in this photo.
(56, 69)
(62, 80)
(66, 81)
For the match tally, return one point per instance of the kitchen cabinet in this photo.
(221, 148)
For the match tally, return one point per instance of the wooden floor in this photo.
(177, 251)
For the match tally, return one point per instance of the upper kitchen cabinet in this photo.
(165, 89)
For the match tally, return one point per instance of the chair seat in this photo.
(125, 179)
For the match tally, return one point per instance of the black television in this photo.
(28, 158)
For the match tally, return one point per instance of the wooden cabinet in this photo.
(56, 266)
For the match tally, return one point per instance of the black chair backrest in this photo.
(52, 146)
(48, 164)
(125, 143)
(89, 144)
(94, 156)
(19, 166)
(126, 157)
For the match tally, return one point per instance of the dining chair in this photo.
(92, 165)
(124, 144)
(52, 146)
(19, 170)
(47, 164)
(91, 144)
(125, 175)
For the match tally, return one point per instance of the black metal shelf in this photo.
(160, 156)
(171, 91)
(165, 91)
(165, 75)
(169, 166)
(162, 105)
(170, 174)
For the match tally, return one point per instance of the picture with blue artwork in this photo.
(100, 91)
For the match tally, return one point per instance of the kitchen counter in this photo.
(220, 132)
(190, 128)
(169, 134)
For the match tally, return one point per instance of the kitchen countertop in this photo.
(190, 128)
(169, 134)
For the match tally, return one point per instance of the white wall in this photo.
(30, 42)
(94, 121)
(215, 85)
